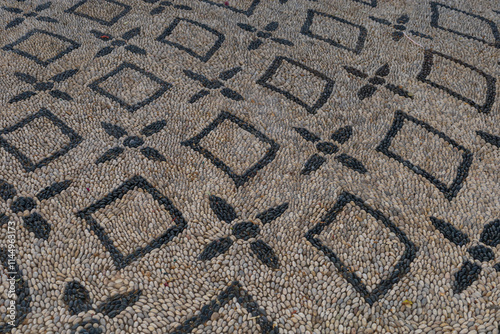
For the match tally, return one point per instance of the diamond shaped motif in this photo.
(465, 24)
(244, 176)
(190, 30)
(132, 249)
(399, 238)
(233, 292)
(48, 48)
(245, 7)
(127, 73)
(341, 31)
(293, 92)
(105, 12)
(441, 153)
(471, 74)
(53, 152)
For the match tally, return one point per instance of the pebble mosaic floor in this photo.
(249, 166)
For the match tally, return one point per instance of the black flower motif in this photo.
(214, 84)
(132, 141)
(244, 230)
(341, 136)
(47, 86)
(482, 252)
(23, 206)
(77, 298)
(399, 27)
(36, 14)
(263, 35)
(117, 42)
(369, 89)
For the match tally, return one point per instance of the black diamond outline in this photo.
(490, 81)
(492, 25)
(239, 180)
(126, 9)
(273, 68)
(247, 12)
(400, 269)
(305, 30)
(164, 86)
(21, 288)
(235, 290)
(136, 181)
(203, 58)
(27, 164)
(463, 169)
(10, 47)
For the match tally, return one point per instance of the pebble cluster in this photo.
(213, 166)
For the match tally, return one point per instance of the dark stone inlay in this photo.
(398, 271)
(327, 148)
(312, 109)
(246, 230)
(450, 232)
(222, 209)
(491, 234)
(463, 169)
(164, 86)
(306, 30)
(23, 204)
(239, 180)
(108, 22)
(120, 260)
(489, 91)
(27, 164)
(481, 253)
(489, 138)
(7, 190)
(38, 225)
(494, 29)
(205, 57)
(72, 45)
(233, 292)
(133, 141)
(77, 298)
(468, 274)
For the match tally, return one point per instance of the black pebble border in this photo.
(234, 291)
(27, 164)
(121, 260)
(398, 271)
(239, 180)
(463, 169)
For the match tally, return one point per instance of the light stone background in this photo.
(307, 294)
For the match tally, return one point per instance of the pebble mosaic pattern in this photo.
(249, 166)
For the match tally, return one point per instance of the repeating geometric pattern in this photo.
(138, 137)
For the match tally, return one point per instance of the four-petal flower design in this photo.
(46, 86)
(117, 42)
(263, 35)
(246, 230)
(132, 141)
(377, 80)
(341, 136)
(36, 14)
